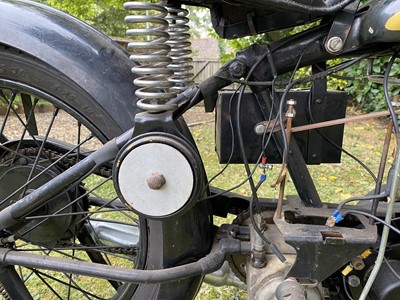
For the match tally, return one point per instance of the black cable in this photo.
(254, 197)
(346, 290)
(365, 198)
(252, 172)
(232, 142)
(281, 104)
(246, 82)
(314, 77)
(387, 97)
(339, 147)
(358, 212)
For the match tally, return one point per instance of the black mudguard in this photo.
(92, 60)
(102, 69)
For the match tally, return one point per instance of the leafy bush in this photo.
(368, 94)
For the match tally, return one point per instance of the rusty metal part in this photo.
(282, 178)
(381, 171)
(319, 125)
(156, 180)
(343, 121)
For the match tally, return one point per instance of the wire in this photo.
(253, 83)
(365, 198)
(358, 212)
(232, 142)
(337, 146)
(254, 197)
(319, 75)
(346, 290)
(387, 97)
(281, 104)
(393, 193)
(391, 268)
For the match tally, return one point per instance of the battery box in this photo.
(314, 147)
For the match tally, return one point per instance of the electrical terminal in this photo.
(264, 165)
(351, 266)
(335, 218)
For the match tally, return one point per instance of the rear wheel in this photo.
(48, 124)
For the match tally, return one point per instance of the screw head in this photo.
(334, 44)
(156, 181)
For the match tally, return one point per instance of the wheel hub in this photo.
(14, 174)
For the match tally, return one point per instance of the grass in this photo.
(334, 182)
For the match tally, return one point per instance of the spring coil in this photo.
(180, 48)
(4, 293)
(152, 54)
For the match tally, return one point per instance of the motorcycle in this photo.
(119, 206)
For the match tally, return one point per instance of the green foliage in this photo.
(368, 94)
(105, 15)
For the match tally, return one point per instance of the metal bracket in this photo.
(340, 29)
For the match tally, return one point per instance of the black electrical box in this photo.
(314, 147)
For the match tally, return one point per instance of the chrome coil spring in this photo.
(4, 293)
(152, 55)
(180, 48)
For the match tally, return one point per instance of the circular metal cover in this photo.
(155, 158)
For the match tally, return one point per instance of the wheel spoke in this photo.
(29, 113)
(4, 139)
(35, 164)
(74, 286)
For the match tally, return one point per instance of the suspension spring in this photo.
(180, 48)
(4, 293)
(152, 55)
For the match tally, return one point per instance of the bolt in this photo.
(334, 44)
(354, 281)
(259, 129)
(237, 69)
(358, 263)
(291, 102)
(319, 101)
(314, 156)
(156, 180)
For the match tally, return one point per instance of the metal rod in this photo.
(282, 179)
(343, 121)
(210, 263)
(381, 171)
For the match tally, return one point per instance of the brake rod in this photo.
(208, 264)
(341, 121)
